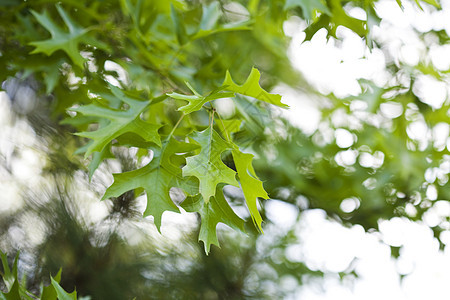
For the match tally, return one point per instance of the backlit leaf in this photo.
(156, 179)
(62, 294)
(196, 101)
(207, 166)
(215, 211)
(251, 185)
(252, 88)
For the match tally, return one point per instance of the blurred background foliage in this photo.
(365, 161)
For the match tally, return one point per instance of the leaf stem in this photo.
(175, 127)
(211, 125)
(166, 142)
(227, 135)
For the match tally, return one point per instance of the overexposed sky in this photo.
(328, 246)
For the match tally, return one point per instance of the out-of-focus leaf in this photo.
(210, 16)
(62, 40)
(180, 29)
(308, 7)
(49, 292)
(61, 293)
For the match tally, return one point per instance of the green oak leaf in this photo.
(120, 122)
(308, 7)
(61, 39)
(251, 185)
(207, 166)
(13, 294)
(227, 127)
(215, 211)
(61, 293)
(170, 160)
(156, 178)
(252, 88)
(97, 159)
(11, 281)
(152, 178)
(196, 101)
(49, 292)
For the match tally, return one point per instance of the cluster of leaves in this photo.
(16, 289)
(169, 166)
(156, 42)
(118, 75)
(141, 114)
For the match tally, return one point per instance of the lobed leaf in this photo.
(62, 40)
(156, 178)
(212, 212)
(197, 101)
(207, 166)
(61, 293)
(252, 88)
(251, 185)
(120, 122)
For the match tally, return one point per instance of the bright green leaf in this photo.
(435, 3)
(251, 185)
(13, 293)
(207, 166)
(252, 88)
(156, 178)
(227, 127)
(61, 293)
(196, 101)
(212, 212)
(49, 292)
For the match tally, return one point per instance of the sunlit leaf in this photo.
(215, 211)
(156, 178)
(208, 166)
(252, 88)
